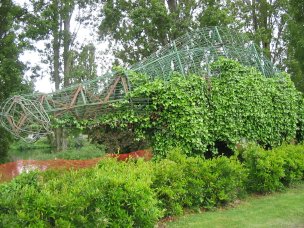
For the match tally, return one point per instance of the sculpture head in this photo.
(24, 118)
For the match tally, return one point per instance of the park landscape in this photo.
(200, 124)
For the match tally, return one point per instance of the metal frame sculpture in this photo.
(27, 116)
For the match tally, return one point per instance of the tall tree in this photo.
(11, 68)
(295, 38)
(265, 21)
(51, 21)
(138, 28)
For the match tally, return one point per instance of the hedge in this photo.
(138, 193)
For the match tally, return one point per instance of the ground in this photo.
(276, 210)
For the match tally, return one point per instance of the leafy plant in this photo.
(196, 114)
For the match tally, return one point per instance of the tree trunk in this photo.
(254, 16)
(66, 44)
(172, 5)
(66, 53)
(56, 76)
(56, 49)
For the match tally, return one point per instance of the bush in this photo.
(225, 181)
(169, 183)
(293, 156)
(113, 194)
(265, 170)
(273, 169)
(138, 193)
(196, 182)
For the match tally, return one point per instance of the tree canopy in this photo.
(11, 68)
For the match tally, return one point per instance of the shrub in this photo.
(113, 194)
(170, 186)
(225, 181)
(138, 193)
(196, 182)
(271, 170)
(293, 156)
(266, 169)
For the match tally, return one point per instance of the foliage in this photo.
(83, 66)
(11, 68)
(141, 28)
(196, 113)
(294, 36)
(265, 170)
(177, 113)
(225, 182)
(194, 182)
(293, 156)
(113, 194)
(170, 186)
(246, 105)
(50, 21)
(271, 170)
(138, 193)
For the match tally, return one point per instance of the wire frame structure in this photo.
(196, 50)
(28, 116)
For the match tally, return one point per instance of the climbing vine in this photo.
(248, 106)
(237, 104)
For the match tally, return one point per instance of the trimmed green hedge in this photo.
(138, 193)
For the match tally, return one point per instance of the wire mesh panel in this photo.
(196, 50)
(27, 117)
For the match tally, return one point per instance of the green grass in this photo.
(85, 152)
(42, 150)
(275, 210)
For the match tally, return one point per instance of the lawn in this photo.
(276, 210)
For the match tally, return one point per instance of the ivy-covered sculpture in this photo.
(28, 116)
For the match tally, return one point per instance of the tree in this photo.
(83, 66)
(51, 21)
(11, 68)
(265, 21)
(295, 38)
(139, 28)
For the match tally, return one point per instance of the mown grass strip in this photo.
(275, 210)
